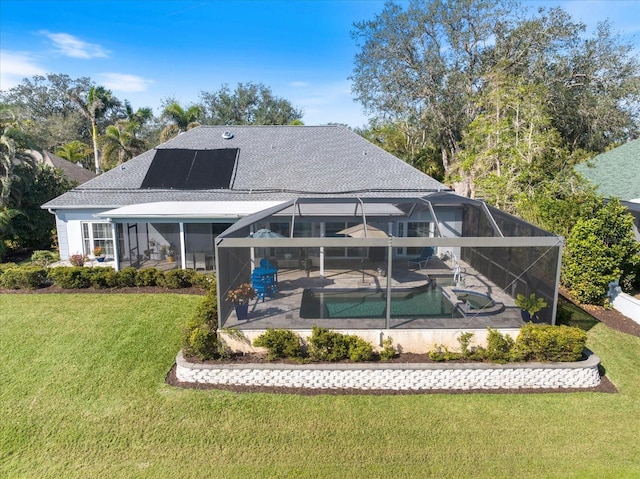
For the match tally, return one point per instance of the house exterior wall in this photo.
(69, 226)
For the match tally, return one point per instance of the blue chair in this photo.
(421, 261)
(264, 283)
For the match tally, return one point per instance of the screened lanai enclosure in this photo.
(393, 266)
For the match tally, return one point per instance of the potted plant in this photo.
(171, 254)
(240, 297)
(530, 305)
(98, 253)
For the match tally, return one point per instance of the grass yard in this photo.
(82, 394)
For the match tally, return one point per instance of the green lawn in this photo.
(82, 394)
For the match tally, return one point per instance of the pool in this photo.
(422, 302)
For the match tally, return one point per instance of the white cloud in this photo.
(73, 47)
(123, 82)
(15, 67)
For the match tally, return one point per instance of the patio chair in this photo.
(264, 284)
(421, 261)
(199, 261)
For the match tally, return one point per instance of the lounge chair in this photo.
(421, 261)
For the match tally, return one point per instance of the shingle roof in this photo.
(615, 173)
(274, 163)
(72, 171)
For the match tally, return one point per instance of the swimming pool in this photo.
(422, 302)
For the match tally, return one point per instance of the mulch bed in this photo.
(609, 316)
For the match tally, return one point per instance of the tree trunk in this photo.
(94, 137)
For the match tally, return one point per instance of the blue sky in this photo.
(146, 50)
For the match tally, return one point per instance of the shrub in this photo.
(179, 278)
(201, 341)
(438, 353)
(498, 346)
(281, 343)
(200, 338)
(325, 345)
(549, 343)
(127, 277)
(105, 277)
(76, 277)
(599, 250)
(27, 277)
(465, 345)
(388, 352)
(77, 260)
(44, 258)
(207, 310)
(205, 281)
(359, 349)
(149, 277)
(6, 266)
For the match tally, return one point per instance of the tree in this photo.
(98, 100)
(413, 150)
(181, 119)
(511, 148)
(45, 110)
(17, 171)
(592, 84)
(13, 142)
(75, 151)
(419, 68)
(601, 249)
(249, 104)
(423, 68)
(33, 228)
(119, 144)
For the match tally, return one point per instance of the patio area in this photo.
(285, 308)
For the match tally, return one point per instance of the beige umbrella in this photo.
(363, 231)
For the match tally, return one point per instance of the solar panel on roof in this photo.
(191, 169)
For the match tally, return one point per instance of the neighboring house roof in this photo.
(275, 163)
(71, 171)
(616, 173)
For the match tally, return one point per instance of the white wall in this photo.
(69, 225)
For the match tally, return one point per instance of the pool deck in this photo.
(283, 310)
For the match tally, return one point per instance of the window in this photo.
(98, 234)
(331, 231)
(413, 229)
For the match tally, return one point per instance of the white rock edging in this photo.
(396, 376)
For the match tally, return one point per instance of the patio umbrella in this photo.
(363, 231)
(266, 233)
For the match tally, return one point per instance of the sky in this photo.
(149, 50)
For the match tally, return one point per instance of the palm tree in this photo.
(120, 144)
(98, 100)
(182, 119)
(75, 151)
(139, 117)
(13, 143)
